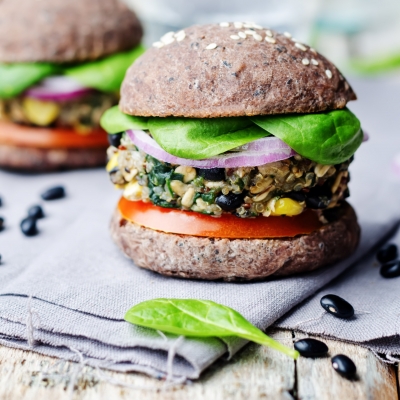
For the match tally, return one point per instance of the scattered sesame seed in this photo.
(300, 46)
(305, 61)
(235, 37)
(179, 33)
(167, 35)
(168, 40)
(242, 35)
(328, 73)
(255, 26)
(313, 50)
(238, 25)
(158, 44)
(287, 34)
(181, 37)
(294, 40)
(248, 25)
(224, 24)
(269, 33)
(270, 39)
(211, 46)
(249, 32)
(257, 37)
(314, 62)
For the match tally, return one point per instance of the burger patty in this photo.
(81, 114)
(280, 188)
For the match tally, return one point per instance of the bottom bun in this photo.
(236, 259)
(38, 159)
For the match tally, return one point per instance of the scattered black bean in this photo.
(298, 196)
(28, 226)
(337, 306)
(212, 174)
(344, 366)
(391, 269)
(54, 193)
(36, 212)
(1, 223)
(115, 139)
(0, 259)
(387, 253)
(1, 201)
(230, 201)
(311, 348)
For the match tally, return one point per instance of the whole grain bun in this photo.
(205, 73)
(33, 159)
(65, 30)
(236, 259)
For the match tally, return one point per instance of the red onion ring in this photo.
(269, 150)
(57, 88)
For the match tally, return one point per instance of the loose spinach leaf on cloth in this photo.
(15, 78)
(196, 139)
(107, 73)
(328, 138)
(115, 121)
(199, 318)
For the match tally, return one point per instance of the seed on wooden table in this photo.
(311, 348)
(387, 253)
(54, 193)
(36, 212)
(344, 366)
(28, 226)
(391, 269)
(337, 306)
(1, 223)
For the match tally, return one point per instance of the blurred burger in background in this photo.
(61, 66)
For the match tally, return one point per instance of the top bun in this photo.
(65, 30)
(239, 69)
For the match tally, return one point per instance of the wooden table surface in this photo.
(254, 373)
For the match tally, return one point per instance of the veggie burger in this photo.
(61, 66)
(232, 145)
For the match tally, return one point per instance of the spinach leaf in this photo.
(328, 138)
(115, 121)
(107, 73)
(203, 138)
(199, 318)
(15, 78)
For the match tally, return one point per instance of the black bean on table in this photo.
(36, 212)
(337, 306)
(230, 201)
(387, 253)
(54, 193)
(29, 227)
(1, 223)
(115, 139)
(212, 174)
(391, 269)
(311, 347)
(344, 366)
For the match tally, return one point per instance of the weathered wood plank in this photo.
(256, 372)
(316, 379)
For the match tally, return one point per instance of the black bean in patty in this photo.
(212, 174)
(298, 196)
(230, 201)
(318, 197)
(115, 139)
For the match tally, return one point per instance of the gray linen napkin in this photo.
(65, 292)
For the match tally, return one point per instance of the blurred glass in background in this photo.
(358, 35)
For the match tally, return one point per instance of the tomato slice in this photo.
(227, 226)
(45, 138)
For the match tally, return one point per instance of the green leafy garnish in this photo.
(107, 73)
(15, 78)
(203, 138)
(199, 318)
(115, 121)
(328, 138)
